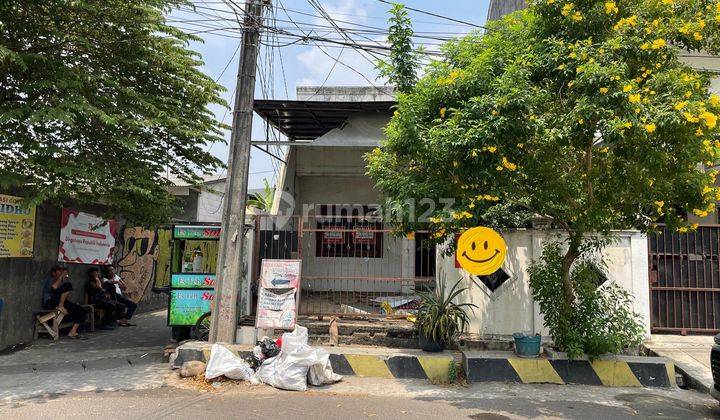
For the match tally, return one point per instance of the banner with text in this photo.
(276, 310)
(86, 238)
(17, 228)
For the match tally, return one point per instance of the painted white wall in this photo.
(511, 307)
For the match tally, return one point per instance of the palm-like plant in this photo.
(264, 199)
(439, 318)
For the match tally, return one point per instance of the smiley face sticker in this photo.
(481, 251)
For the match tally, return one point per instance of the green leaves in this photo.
(401, 69)
(99, 101)
(439, 317)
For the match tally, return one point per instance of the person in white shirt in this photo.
(115, 285)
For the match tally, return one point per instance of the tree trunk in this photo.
(571, 255)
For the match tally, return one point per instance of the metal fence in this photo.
(351, 265)
(685, 281)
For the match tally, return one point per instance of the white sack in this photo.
(289, 370)
(224, 362)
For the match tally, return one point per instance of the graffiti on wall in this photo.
(144, 258)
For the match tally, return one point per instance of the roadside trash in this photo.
(252, 361)
(192, 368)
(297, 363)
(223, 362)
(269, 348)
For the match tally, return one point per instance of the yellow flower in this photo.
(690, 117)
(442, 112)
(474, 153)
(714, 100)
(577, 17)
(660, 204)
(550, 1)
(650, 128)
(520, 145)
(699, 132)
(709, 118)
(627, 88)
(700, 213)
(694, 226)
(682, 229)
(455, 164)
(471, 205)
(499, 168)
(634, 98)
(680, 105)
(439, 234)
(611, 7)
(509, 165)
(688, 94)
(603, 90)
(658, 43)
(698, 36)
(491, 149)
(435, 219)
(567, 9)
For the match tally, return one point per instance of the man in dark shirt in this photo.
(99, 297)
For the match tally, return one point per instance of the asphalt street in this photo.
(362, 398)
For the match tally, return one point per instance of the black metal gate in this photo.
(685, 281)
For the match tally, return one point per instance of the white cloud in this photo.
(353, 67)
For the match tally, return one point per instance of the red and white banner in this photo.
(86, 238)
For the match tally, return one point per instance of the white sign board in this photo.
(278, 294)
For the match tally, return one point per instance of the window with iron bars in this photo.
(348, 232)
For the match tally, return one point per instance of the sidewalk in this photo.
(125, 358)
(691, 355)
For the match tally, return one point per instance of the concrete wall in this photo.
(345, 93)
(23, 279)
(500, 8)
(511, 307)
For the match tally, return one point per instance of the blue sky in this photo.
(306, 64)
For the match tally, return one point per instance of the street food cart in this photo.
(192, 275)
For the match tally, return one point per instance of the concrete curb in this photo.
(615, 371)
(691, 378)
(354, 361)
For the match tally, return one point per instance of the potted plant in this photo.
(440, 320)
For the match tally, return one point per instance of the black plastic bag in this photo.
(268, 348)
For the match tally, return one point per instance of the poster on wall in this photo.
(276, 310)
(86, 238)
(187, 306)
(280, 274)
(17, 228)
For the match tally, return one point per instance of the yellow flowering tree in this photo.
(581, 111)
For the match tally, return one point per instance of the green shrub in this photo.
(600, 319)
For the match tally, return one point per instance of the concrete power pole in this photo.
(230, 254)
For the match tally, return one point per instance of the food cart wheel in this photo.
(201, 330)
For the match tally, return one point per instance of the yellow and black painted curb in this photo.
(479, 367)
(633, 372)
(434, 368)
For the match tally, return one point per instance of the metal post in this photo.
(230, 254)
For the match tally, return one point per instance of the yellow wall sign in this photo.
(481, 251)
(17, 228)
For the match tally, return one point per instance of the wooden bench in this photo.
(50, 321)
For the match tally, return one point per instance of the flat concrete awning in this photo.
(308, 120)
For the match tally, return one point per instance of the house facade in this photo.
(326, 208)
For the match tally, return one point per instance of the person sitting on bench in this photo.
(115, 285)
(113, 310)
(57, 296)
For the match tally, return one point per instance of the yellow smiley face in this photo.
(481, 251)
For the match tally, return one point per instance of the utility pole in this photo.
(230, 254)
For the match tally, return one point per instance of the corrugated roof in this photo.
(308, 120)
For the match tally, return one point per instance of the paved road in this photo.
(362, 398)
(126, 358)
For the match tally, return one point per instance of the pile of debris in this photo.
(287, 363)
